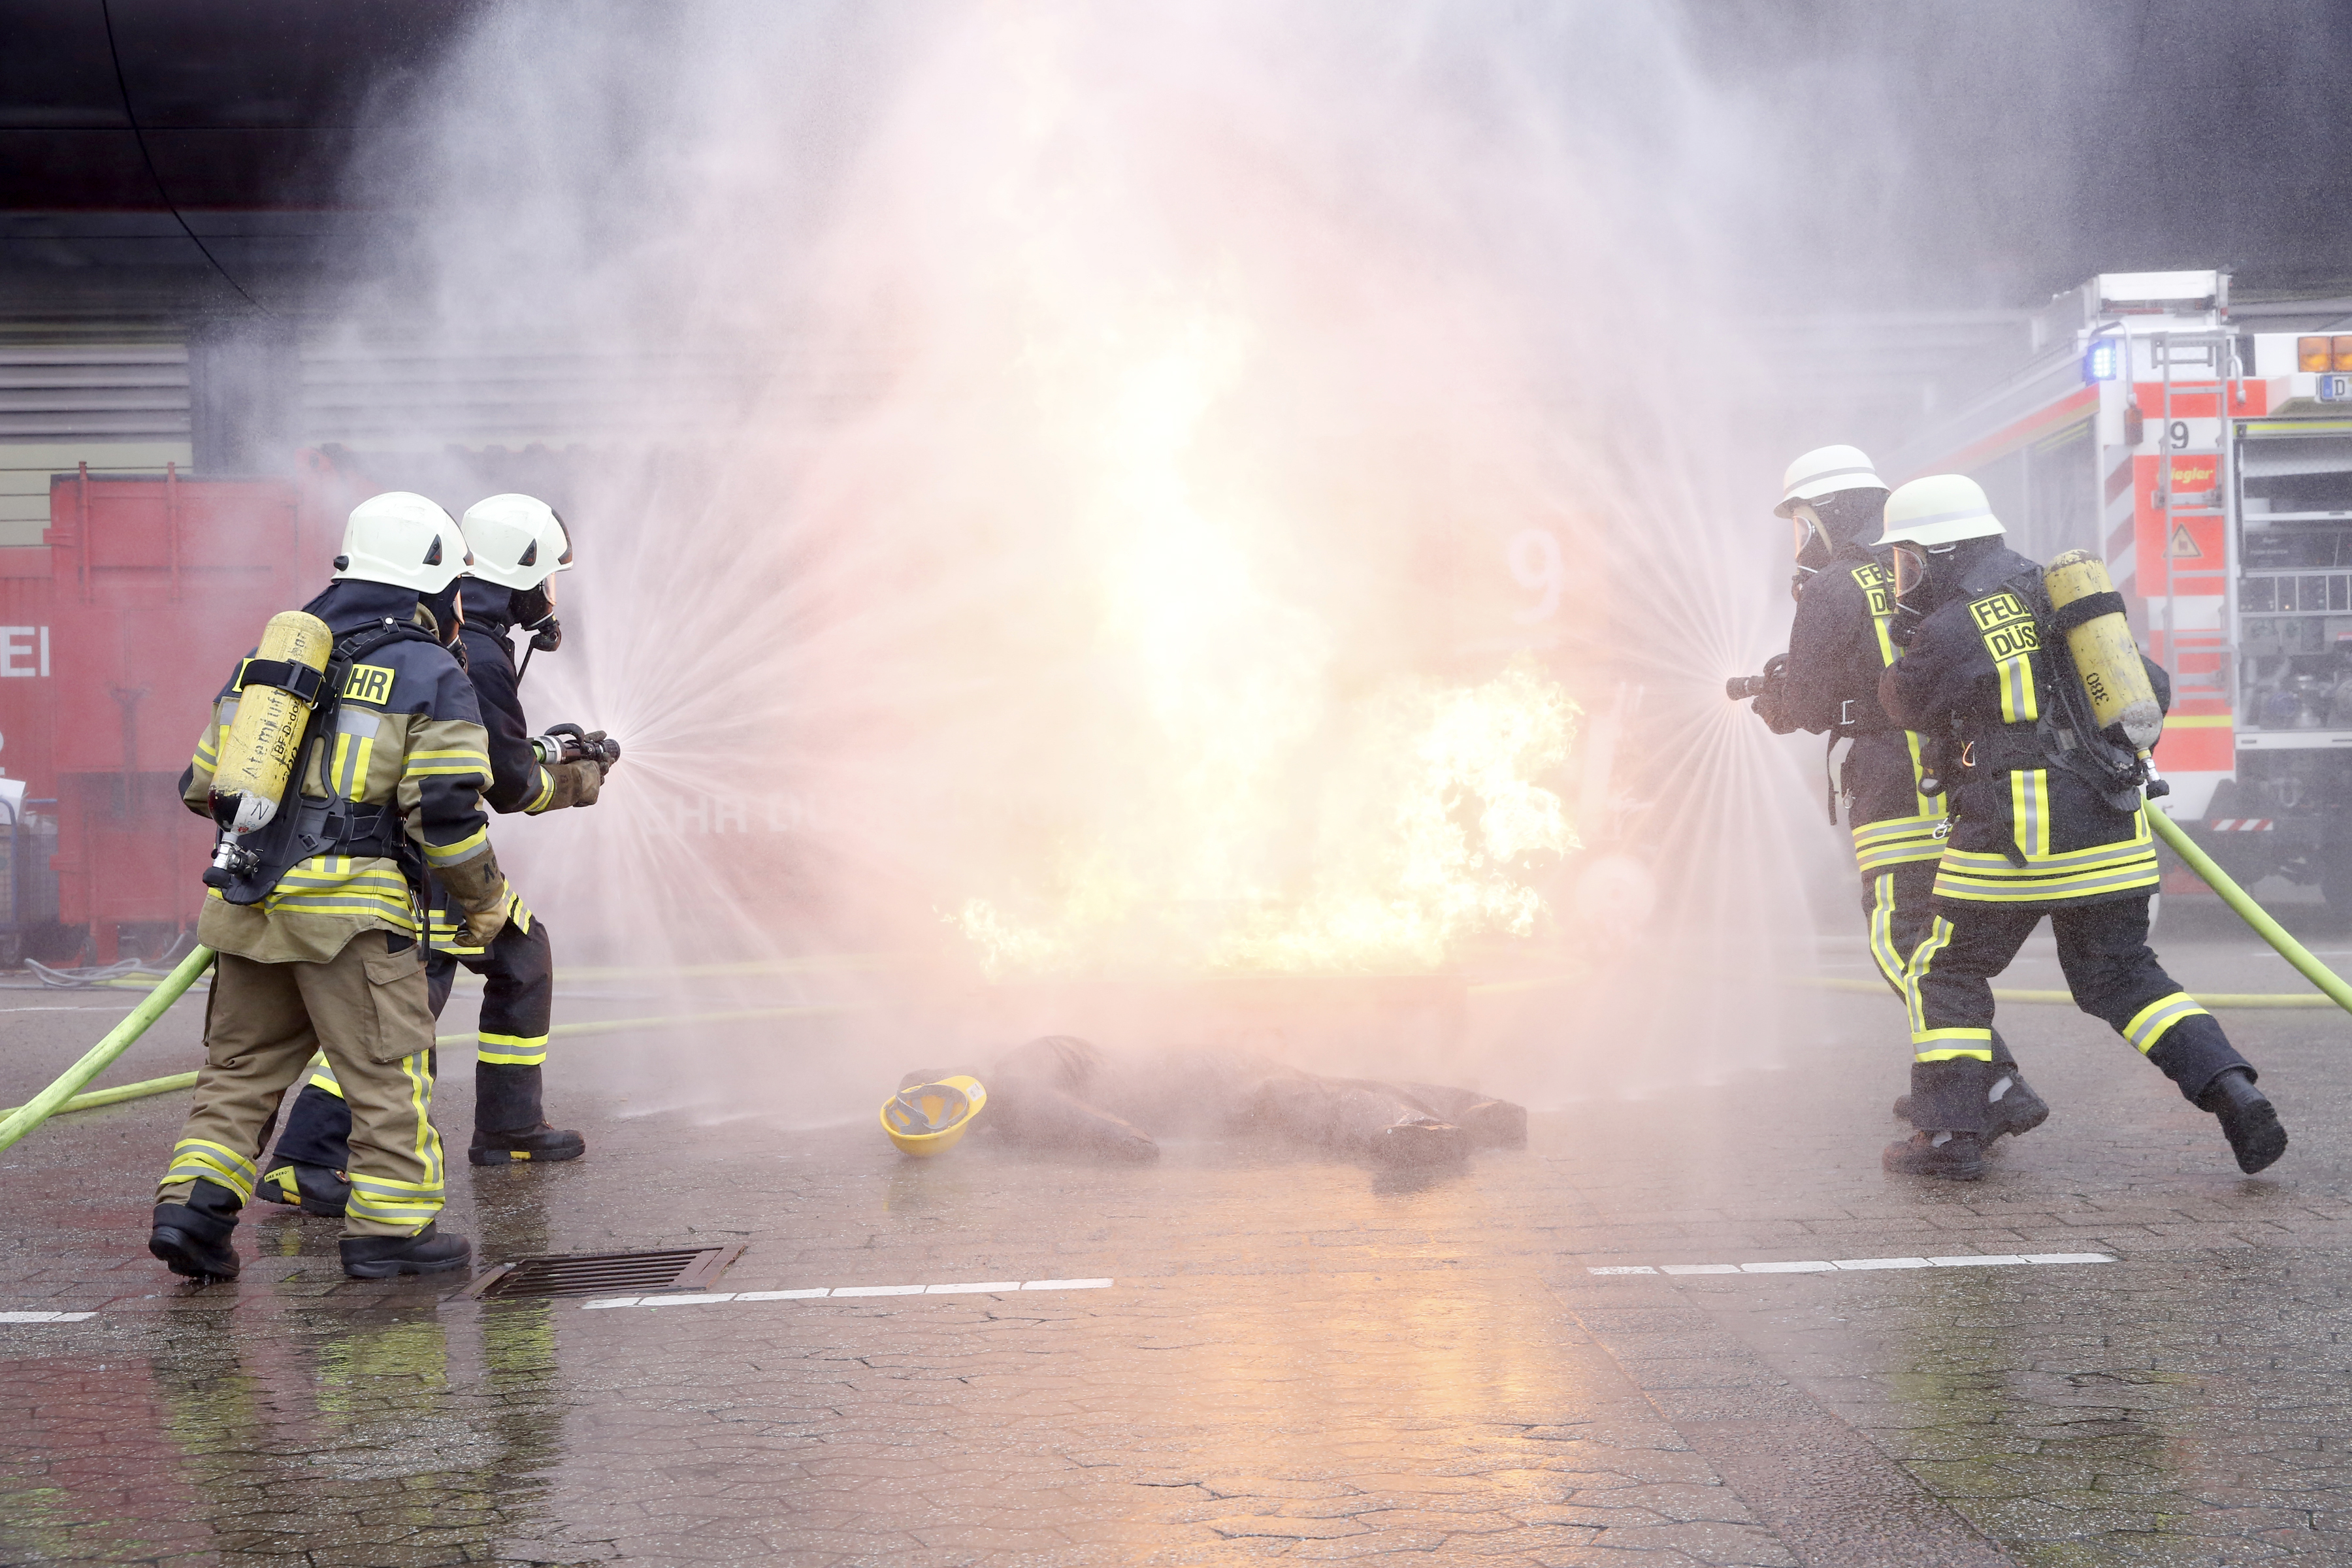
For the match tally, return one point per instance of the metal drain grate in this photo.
(608, 1273)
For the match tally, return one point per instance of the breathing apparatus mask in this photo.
(1821, 526)
(534, 612)
(1812, 545)
(1923, 576)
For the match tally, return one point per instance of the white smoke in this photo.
(1038, 441)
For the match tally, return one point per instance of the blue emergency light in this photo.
(2104, 360)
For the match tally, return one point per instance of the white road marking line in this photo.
(44, 1317)
(1826, 1266)
(832, 1293)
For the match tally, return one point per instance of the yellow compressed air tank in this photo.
(265, 739)
(2105, 655)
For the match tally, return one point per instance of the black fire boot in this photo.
(381, 1256)
(192, 1238)
(1951, 1101)
(507, 1123)
(2014, 1109)
(1953, 1156)
(2247, 1117)
(313, 1189)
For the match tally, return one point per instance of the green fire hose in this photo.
(154, 1006)
(2253, 913)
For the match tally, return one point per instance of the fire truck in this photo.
(2207, 456)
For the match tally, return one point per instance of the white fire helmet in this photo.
(518, 541)
(1824, 471)
(404, 540)
(1942, 509)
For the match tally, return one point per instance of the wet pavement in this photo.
(1293, 1358)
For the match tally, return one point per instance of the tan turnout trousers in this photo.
(366, 1009)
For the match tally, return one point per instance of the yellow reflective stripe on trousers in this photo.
(395, 1202)
(1882, 931)
(2147, 1026)
(193, 1158)
(1939, 937)
(417, 1069)
(322, 1075)
(1950, 1045)
(510, 1050)
(1937, 1045)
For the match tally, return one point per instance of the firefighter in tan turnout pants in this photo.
(329, 957)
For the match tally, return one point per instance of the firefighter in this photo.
(329, 959)
(2035, 832)
(1838, 647)
(518, 543)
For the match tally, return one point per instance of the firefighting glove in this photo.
(576, 784)
(604, 756)
(479, 888)
(1772, 704)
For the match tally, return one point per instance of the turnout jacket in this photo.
(1838, 647)
(1980, 677)
(519, 782)
(408, 737)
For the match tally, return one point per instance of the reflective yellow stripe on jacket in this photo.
(2121, 866)
(1898, 841)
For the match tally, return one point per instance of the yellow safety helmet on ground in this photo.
(930, 1118)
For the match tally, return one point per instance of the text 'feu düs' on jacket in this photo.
(1838, 647)
(2028, 833)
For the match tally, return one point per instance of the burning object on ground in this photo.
(1064, 1093)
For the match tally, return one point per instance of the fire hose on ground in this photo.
(2333, 987)
(2253, 913)
(154, 1006)
(61, 1096)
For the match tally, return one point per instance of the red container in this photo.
(110, 652)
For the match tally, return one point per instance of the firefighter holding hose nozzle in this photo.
(2017, 672)
(1827, 683)
(518, 543)
(344, 760)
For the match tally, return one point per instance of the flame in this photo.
(1433, 834)
(1280, 829)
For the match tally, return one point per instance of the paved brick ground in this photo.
(1299, 1360)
